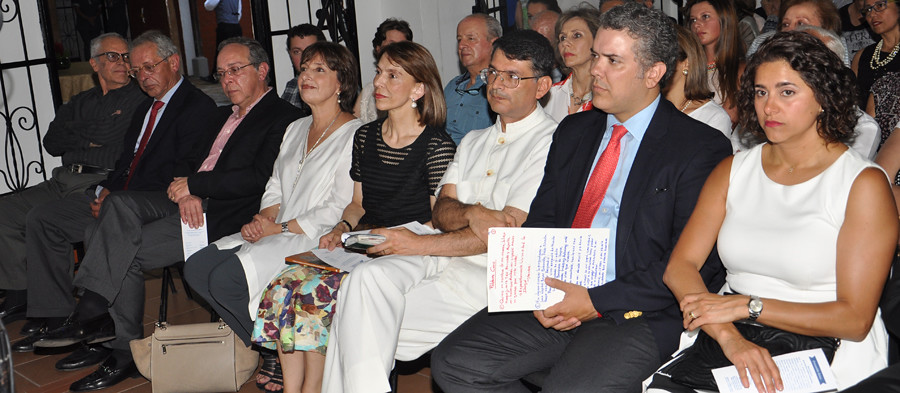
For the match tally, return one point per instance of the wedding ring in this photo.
(692, 315)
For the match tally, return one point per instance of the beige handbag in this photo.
(200, 357)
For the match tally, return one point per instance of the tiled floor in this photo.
(35, 371)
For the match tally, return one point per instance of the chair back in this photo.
(6, 363)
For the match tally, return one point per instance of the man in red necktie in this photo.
(153, 153)
(636, 166)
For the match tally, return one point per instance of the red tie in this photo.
(144, 139)
(599, 181)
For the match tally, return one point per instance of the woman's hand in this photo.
(260, 227)
(749, 357)
(332, 239)
(699, 309)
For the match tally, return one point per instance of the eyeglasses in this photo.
(877, 7)
(230, 71)
(472, 92)
(148, 69)
(510, 80)
(113, 57)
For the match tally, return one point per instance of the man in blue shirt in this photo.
(635, 166)
(467, 106)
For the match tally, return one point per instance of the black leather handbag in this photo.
(693, 367)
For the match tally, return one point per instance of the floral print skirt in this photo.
(296, 310)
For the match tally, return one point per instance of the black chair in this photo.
(7, 383)
(169, 284)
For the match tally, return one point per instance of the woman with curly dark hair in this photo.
(804, 226)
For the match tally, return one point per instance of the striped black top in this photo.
(397, 183)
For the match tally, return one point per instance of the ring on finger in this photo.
(693, 317)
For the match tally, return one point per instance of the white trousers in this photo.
(387, 308)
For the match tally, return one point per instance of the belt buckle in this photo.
(77, 168)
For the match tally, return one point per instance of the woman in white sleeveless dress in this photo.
(802, 223)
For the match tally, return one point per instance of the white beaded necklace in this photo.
(877, 63)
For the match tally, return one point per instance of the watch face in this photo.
(756, 305)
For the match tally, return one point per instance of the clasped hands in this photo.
(189, 206)
(718, 311)
(260, 227)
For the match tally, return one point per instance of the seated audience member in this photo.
(884, 104)
(428, 285)
(396, 164)
(545, 23)
(467, 105)
(606, 5)
(141, 230)
(531, 9)
(87, 135)
(769, 10)
(299, 38)
(575, 31)
(301, 201)
(797, 13)
(689, 89)
(661, 158)
(889, 159)
(747, 22)
(856, 32)
(877, 60)
(715, 24)
(824, 212)
(390, 31)
(156, 146)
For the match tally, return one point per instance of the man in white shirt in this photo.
(403, 305)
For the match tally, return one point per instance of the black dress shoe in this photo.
(86, 355)
(33, 326)
(95, 330)
(110, 373)
(26, 344)
(11, 313)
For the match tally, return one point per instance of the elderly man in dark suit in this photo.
(159, 138)
(637, 168)
(139, 231)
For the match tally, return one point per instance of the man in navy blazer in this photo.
(610, 337)
(51, 229)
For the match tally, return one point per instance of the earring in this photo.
(339, 100)
(414, 105)
(684, 71)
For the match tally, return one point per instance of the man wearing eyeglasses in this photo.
(87, 135)
(467, 106)
(428, 285)
(155, 148)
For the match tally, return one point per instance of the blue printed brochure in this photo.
(520, 258)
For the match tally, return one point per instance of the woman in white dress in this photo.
(308, 190)
(576, 29)
(688, 89)
(805, 227)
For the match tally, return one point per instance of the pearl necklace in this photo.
(686, 105)
(876, 62)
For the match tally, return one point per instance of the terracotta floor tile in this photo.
(415, 383)
(23, 385)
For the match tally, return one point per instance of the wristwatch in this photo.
(755, 306)
(284, 227)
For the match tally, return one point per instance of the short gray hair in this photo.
(258, 55)
(98, 41)
(494, 29)
(164, 45)
(832, 41)
(653, 32)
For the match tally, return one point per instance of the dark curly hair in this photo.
(833, 85)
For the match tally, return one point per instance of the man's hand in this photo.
(178, 189)
(95, 205)
(191, 209)
(481, 219)
(399, 241)
(568, 314)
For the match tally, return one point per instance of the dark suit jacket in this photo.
(185, 119)
(676, 155)
(235, 186)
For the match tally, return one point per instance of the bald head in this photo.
(545, 23)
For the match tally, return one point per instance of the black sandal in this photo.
(276, 378)
(270, 366)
